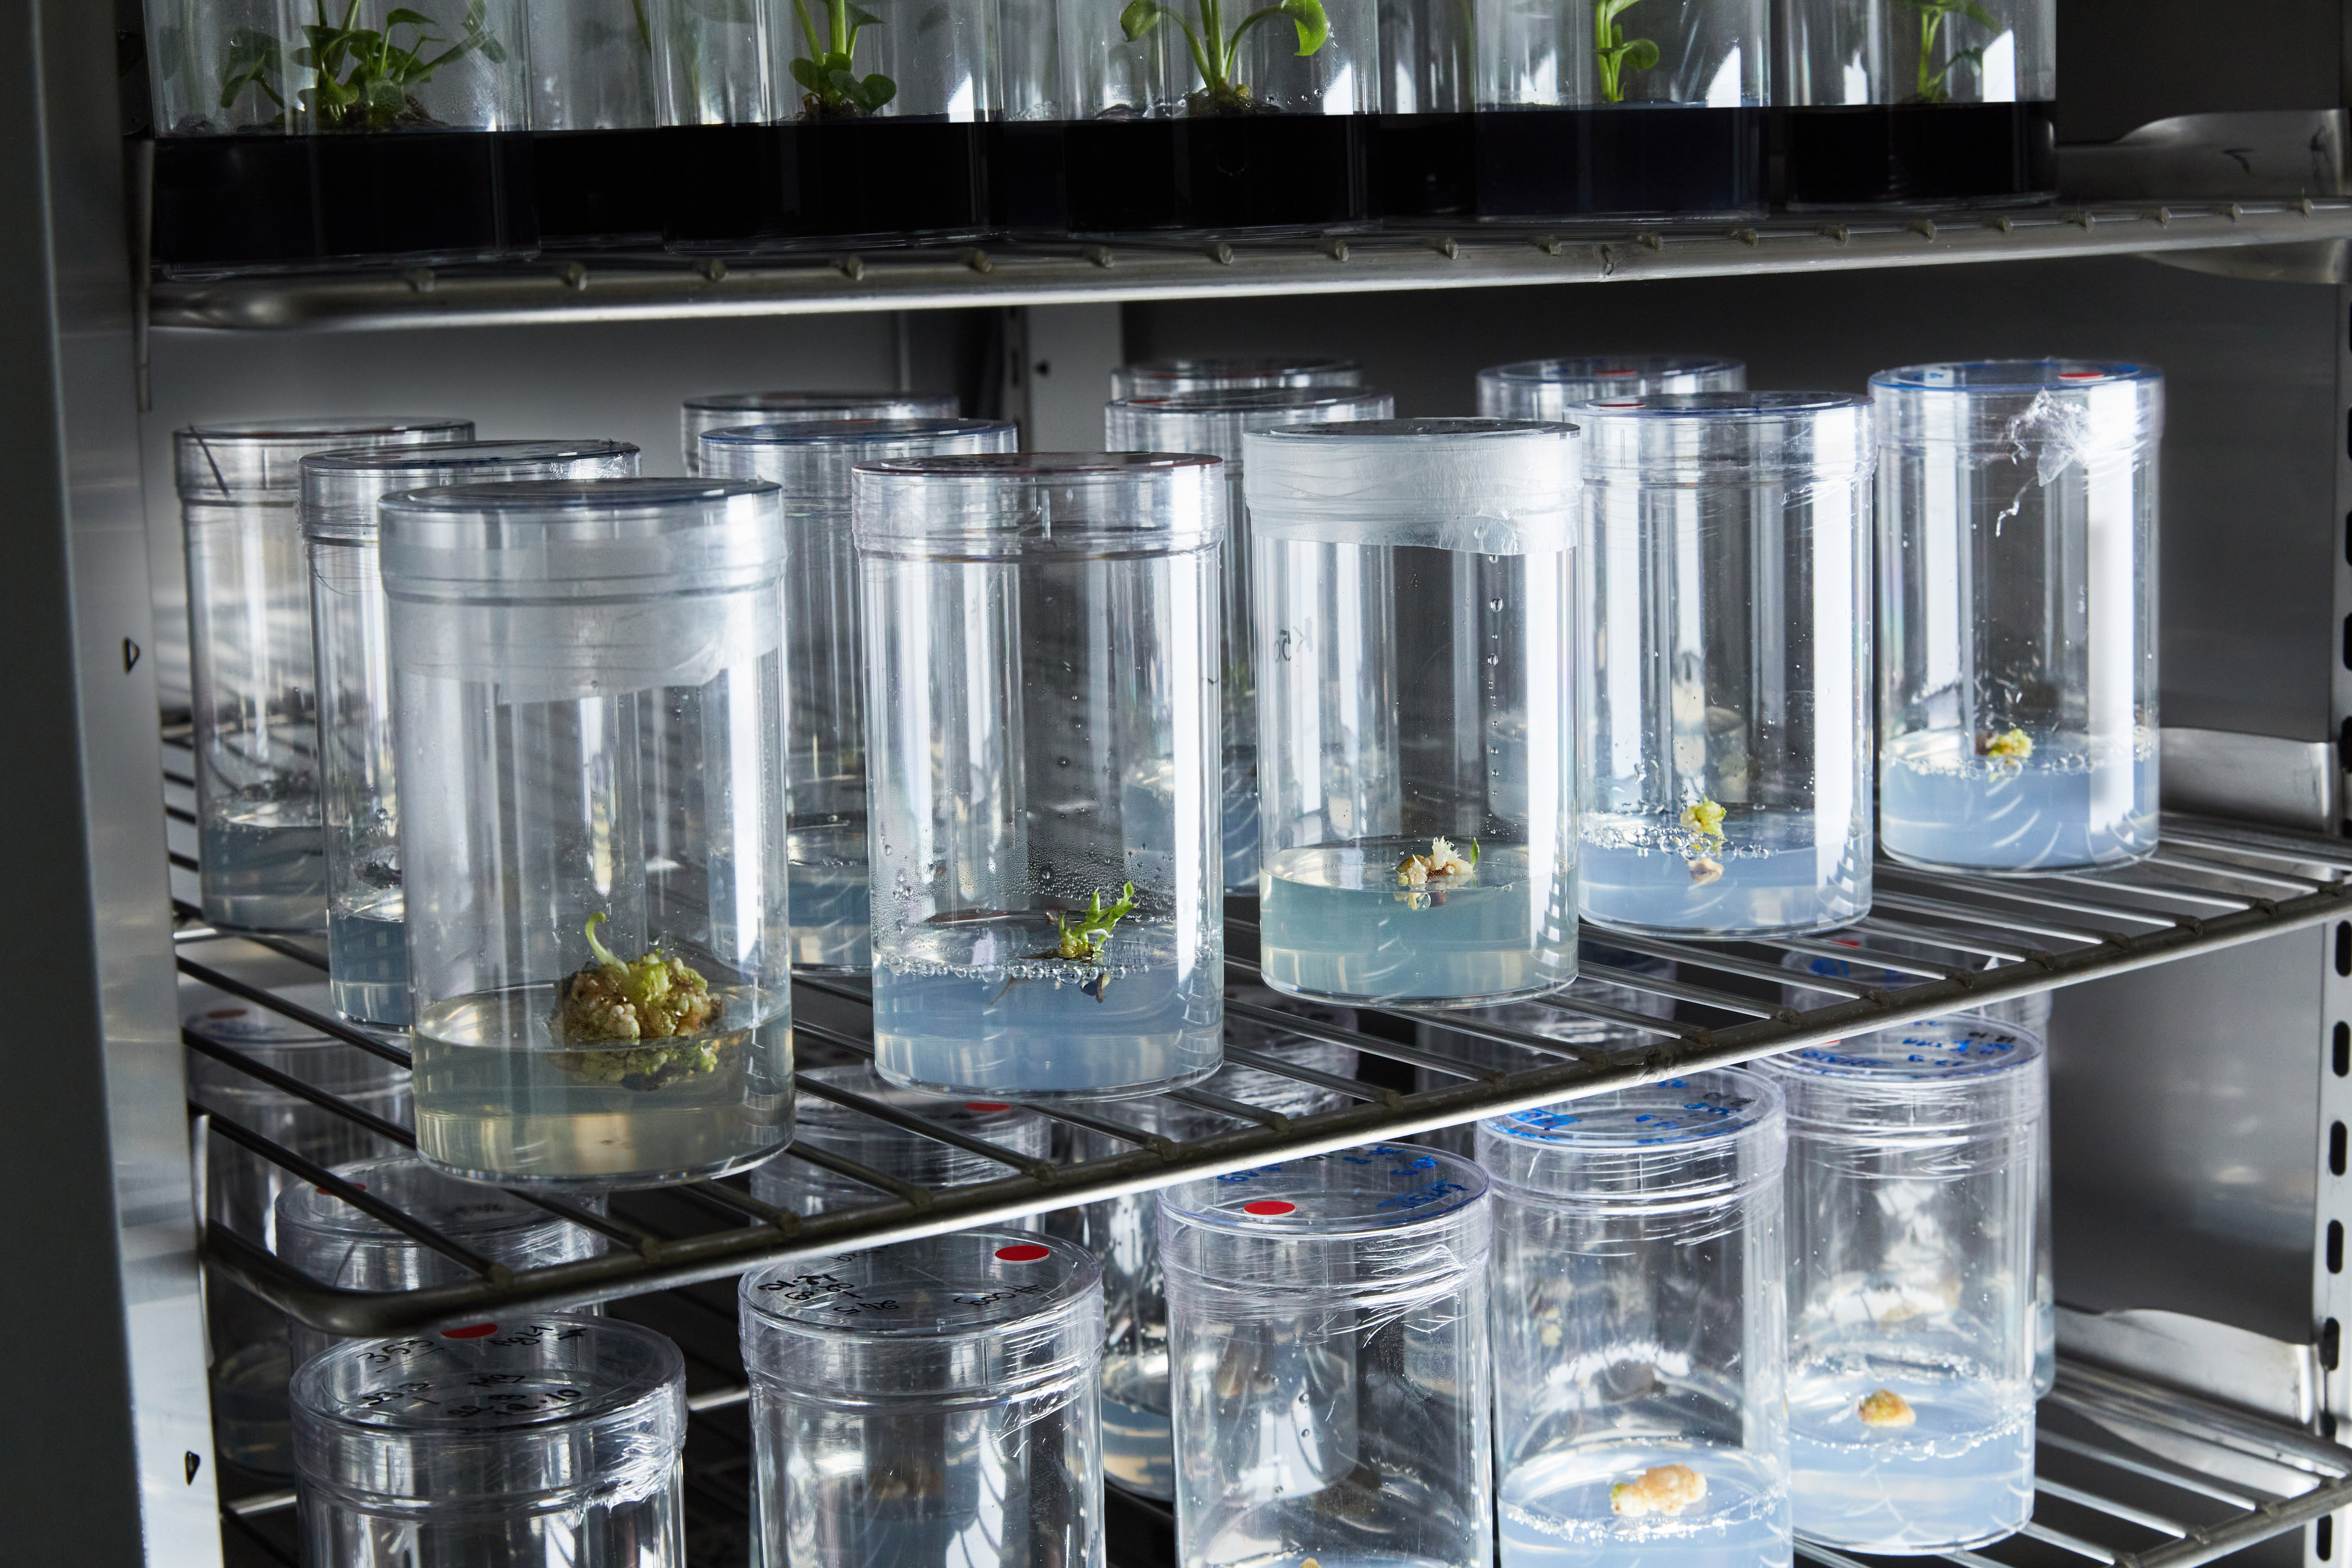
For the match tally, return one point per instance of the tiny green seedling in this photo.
(834, 89)
(1937, 88)
(361, 78)
(1614, 52)
(1216, 53)
(1082, 940)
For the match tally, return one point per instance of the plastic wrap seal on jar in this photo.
(562, 590)
(1701, 1142)
(1215, 419)
(1006, 505)
(2046, 416)
(986, 1315)
(260, 460)
(811, 462)
(341, 490)
(1939, 1084)
(1548, 388)
(1713, 438)
(1492, 487)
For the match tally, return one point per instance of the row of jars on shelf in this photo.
(1691, 1322)
(375, 130)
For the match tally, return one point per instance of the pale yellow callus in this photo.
(1660, 1490)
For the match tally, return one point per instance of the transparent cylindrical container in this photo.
(1328, 1350)
(1911, 1196)
(367, 947)
(928, 1405)
(1123, 1232)
(2016, 706)
(1548, 388)
(1638, 1325)
(596, 163)
(1214, 422)
(1882, 101)
(1724, 581)
(1411, 583)
(1425, 164)
(723, 410)
(553, 1438)
(806, 1188)
(252, 670)
(825, 632)
(340, 1244)
(1184, 115)
(590, 708)
(1042, 699)
(1239, 373)
(1599, 109)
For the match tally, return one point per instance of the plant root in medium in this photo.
(1216, 53)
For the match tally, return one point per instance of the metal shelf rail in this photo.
(655, 288)
(2209, 886)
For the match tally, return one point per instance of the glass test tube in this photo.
(725, 410)
(824, 629)
(589, 710)
(1911, 1198)
(819, 1123)
(367, 947)
(1214, 422)
(1637, 1299)
(1724, 579)
(1411, 581)
(1041, 692)
(252, 672)
(926, 1405)
(553, 1438)
(1548, 388)
(2017, 507)
(1329, 1352)
(1234, 372)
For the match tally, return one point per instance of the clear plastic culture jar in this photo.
(333, 1242)
(284, 139)
(1882, 101)
(367, 947)
(723, 410)
(1638, 1326)
(1548, 388)
(1588, 111)
(1423, 158)
(928, 1405)
(598, 160)
(252, 669)
(1214, 422)
(1910, 1194)
(1410, 582)
(590, 707)
(554, 1438)
(1168, 377)
(807, 1188)
(824, 629)
(1327, 1346)
(2017, 506)
(1725, 582)
(1042, 699)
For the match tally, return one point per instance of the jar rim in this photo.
(1592, 367)
(1245, 399)
(850, 432)
(792, 399)
(1963, 377)
(1016, 1279)
(460, 454)
(1934, 1051)
(1376, 1189)
(1016, 466)
(653, 1368)
(1691, 1112)
(1725, 408)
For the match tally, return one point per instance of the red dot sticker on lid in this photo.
(2082, 375)
(1269, 1207)
(1023, 1252)
(985, 1105)
(1620, 402)
(470, 1332)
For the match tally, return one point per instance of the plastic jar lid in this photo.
(1701, 1139)
(781, 405)
(1949, 1074)
(1497, 487)
(811, 459)
(1148, 377)
(1529, 381)
(1378, 1188)
(1215, 420)
(1009, 505)
(462, 1210)
(341, 489)
(276, 1040)
(547, 539)
(843, 1129)
(1725, 437)
(262, 458)
(2082, 408)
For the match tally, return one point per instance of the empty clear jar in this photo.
(367, 947)
(929, 1404)
(1548, 388)
(1910, 1193)
(346, 1246)
(807, 1188)
(825, 630)
(252, 673)
(721, 410)
(1411, 580)
(1328, 1343)
(2017, 508)
(1638, 1326)
(554, 1438)
(597, 169)
(1042, 673)
(590, 678)
(1239, 373)
(1725, 582)
(1214, 422)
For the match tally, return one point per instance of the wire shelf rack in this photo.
(2209, 886)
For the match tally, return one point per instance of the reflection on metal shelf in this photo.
(2251, 778)
(2235, 156)
(2231, 1365)
(2209, 886)
(648, 288)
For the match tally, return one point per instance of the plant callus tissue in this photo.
(656, 996)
